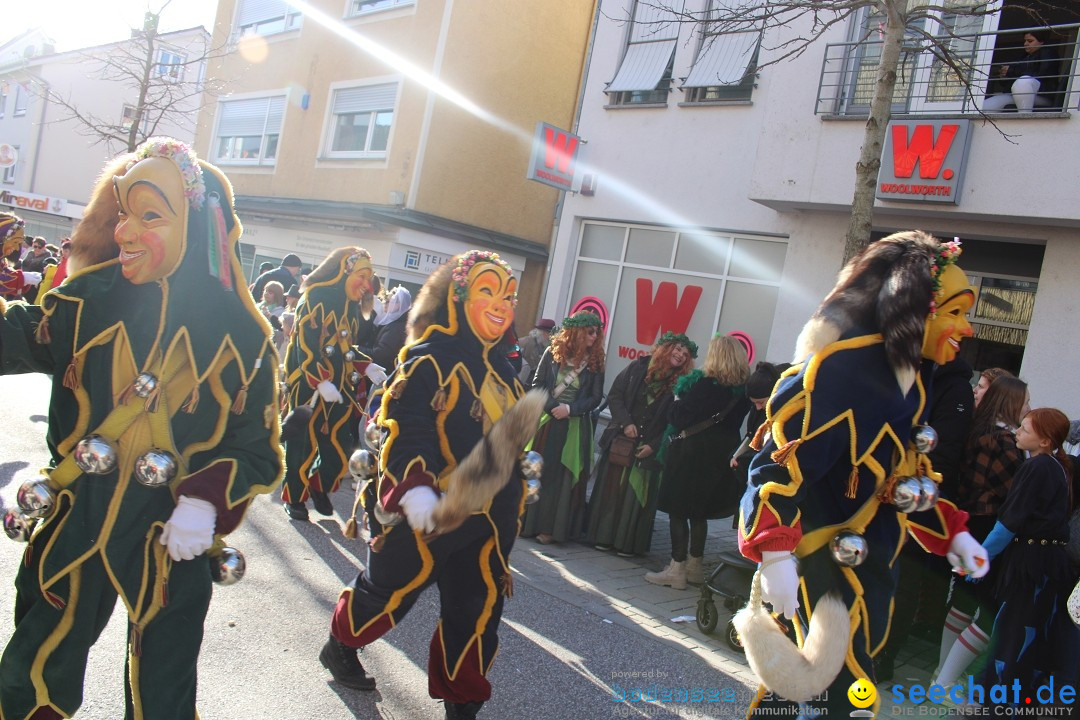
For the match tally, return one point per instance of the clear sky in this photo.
(78, 23)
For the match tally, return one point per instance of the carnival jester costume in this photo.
(323, 369)
(162, 427)
(454, 428)
(13, 282)
(843, 477)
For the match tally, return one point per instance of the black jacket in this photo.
(590, 392)
(952, 406)
(281, 274)
(624, 397)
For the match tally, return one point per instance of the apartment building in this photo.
(724, 182)
(403, 126)
(48, 161)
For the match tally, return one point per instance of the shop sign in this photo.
(416, 260)
(30, 201)
(554, 157)
(924, 161)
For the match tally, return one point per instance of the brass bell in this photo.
(354, 378)
(328, 351)
(930, 493)
(373, 436)
(907, 494)
(925, 438)
(155, 467)
(16, 525)
(36, 499)
(532, 490)
(848, 548)
(228, 566)
(532, 465)
(362, 465)
(144, 384)
(349, 356)
(95, 455)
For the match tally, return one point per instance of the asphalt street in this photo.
(557, 659)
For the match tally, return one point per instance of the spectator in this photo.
(698, 482)
(37, 257)
(572, 373)
(986, 377)
(390, 329)
(13, 281)
(1035, 77)
(287, 274)
(533, 346)
(623, 502)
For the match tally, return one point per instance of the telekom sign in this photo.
(924, 161)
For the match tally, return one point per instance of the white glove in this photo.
(418, 505)
(329, 393)
(190, 529)
(375, 373)
(780, 582)
(31, 278)
(967, 556)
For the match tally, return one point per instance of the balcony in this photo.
(927, 85)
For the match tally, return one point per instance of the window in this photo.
(3, 98)
(9, 171)
(360, 121)
(266, 17)
(170, 66)
(644, 77)
(248, 130)
(726, 59)
(127, 117)
(363, 7)
(21, 96)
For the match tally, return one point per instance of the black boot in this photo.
(343, 664)
(462, 711)
(322, 503)
(296, 511)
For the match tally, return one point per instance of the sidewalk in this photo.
(614, 588)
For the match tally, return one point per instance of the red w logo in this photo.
(922, 149)
(559, 149)
(665, 312)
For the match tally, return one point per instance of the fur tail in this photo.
(487, 468)
(785, 669)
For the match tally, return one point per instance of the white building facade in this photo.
(722, 190)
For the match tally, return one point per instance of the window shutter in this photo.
(253, 11)
(245, 117)
(365, 99)
(643, 66)
(723, 59)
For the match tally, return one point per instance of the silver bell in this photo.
(362, 465)
(95, 455)
(532, 491)
(328, 351)
(848, 548)
(925, 438)
(930, 493)
(155, 467)
(343, 333)
(373, 436)
(350, 356)
(16, 525)
(227, 567)
(907, 494)
(36, 499)
(532, 465)
(354, 378)
(144, 384)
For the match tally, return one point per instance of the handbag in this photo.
(621, 452)
(1074, 604)
(296, 423)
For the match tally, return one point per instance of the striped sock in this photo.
(955, 622)
(970, 645)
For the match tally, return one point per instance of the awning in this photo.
(643, 66)
(724, 60)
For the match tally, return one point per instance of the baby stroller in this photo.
(730, 580)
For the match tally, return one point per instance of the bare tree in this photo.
(789, 27)
(166, 79)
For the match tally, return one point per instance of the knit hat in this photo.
(545, 324)
(292, 261)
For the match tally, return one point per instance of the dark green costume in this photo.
(214, 410)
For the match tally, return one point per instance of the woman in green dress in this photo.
(572, 372)
(622, 506)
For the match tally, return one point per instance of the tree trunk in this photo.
(861, 222)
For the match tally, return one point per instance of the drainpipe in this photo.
(44, 95)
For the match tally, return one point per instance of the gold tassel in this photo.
(312, 324)
(852, 483)
(152, 399)
(325, 429)
(397, 387)
(71, 377)
(376, 543)
(136, 640)
(438, 403)
(508, 585)
(192, 402)
(476, 412)
(351, 530)
(125, 396)
(42, 334)
(241, 401)
(781, 454)
(758, 440)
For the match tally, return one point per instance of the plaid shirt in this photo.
(992, 461)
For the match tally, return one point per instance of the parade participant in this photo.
(453, 425)
(162, 428)
(321, 371)
(835, 484)
(13, 282)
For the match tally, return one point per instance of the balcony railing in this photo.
(928, 85)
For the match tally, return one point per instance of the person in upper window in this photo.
(1032, 80)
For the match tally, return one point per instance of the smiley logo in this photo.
(862, 693)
